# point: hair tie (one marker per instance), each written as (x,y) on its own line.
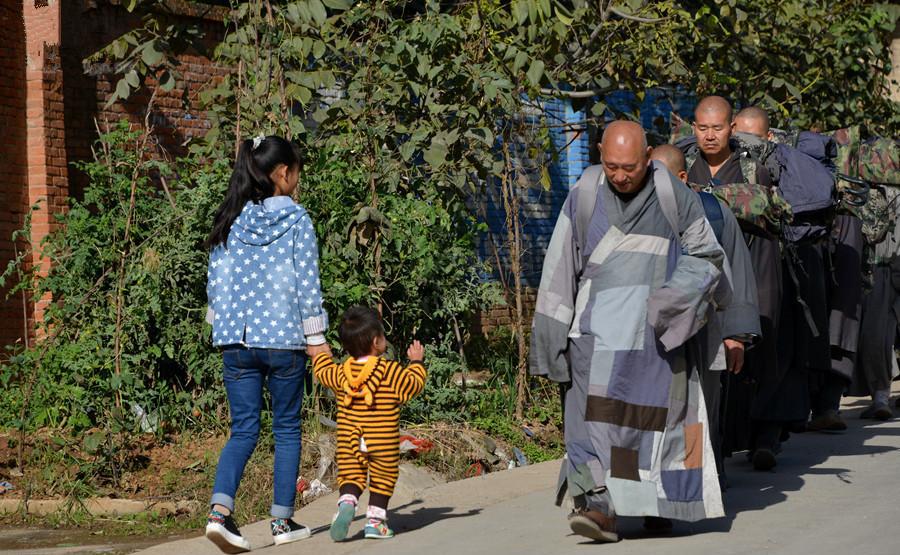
(258,140)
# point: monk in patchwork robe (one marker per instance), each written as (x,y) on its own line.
(628,280)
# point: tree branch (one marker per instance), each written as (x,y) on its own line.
(575,94)
(619,13)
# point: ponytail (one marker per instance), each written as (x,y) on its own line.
(250,181)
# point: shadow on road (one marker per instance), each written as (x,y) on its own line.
(404,518)
(803,455)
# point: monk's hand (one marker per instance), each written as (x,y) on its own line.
(734,355)
(313,350)
(416,351)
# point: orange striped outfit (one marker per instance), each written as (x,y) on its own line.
(369,395)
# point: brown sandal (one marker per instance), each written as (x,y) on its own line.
(586,526)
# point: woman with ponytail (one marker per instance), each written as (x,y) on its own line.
(265,307)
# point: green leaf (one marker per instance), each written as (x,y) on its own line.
(340,5)
(132,79)
(436,154)
(546,182)
(566,20)
(318,49)
(482,134)
(520,60)
(167,81)
(535,72)
(407,150)
(318,11)
(122,89)
(150,55)
(93,441)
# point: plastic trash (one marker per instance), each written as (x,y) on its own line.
(5,487)
(148,422)
(316,489)
(327,422)
(325,443)
(418,445)
(302,484)
(521,460)
(528,431)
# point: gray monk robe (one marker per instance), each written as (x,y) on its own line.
(636,427)
(737,319)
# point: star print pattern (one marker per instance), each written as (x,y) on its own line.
(264,289)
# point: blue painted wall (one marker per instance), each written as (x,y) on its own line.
(570,138)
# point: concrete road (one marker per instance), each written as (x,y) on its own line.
(829,494)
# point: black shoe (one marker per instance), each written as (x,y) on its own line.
(763,459)
(285,530)
(222,531)
(828,421)
(877,412)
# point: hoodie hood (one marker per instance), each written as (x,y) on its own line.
(263,224)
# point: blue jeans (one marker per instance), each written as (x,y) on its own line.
(245,370)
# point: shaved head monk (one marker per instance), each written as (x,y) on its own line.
(621,292)
(625,156)
(757,414)
(753,120)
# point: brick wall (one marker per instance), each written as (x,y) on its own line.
(87,27)
(46,155)
(51,106)
(13,165)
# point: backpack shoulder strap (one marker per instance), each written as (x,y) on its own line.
(748,168)
(586,188)
(713,213)
(690,157)
(665,192)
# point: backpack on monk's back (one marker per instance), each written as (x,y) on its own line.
(866,167)
(802,163)
(758,209)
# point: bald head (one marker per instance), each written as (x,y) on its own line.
(625,156)
(713,128)
(753,120)
(623,132)
(716,105)
(671,157)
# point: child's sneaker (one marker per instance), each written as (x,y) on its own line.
(378,530)
(340,524)
(222,531)
(285,530)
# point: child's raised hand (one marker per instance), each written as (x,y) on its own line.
(416,351)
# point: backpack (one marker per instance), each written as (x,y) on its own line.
(863,164)
(802,165)
(757,208)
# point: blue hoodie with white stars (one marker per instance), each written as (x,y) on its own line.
(264,289)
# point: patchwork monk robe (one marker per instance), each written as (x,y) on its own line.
(615,315)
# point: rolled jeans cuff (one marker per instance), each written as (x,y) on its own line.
(222,499)
(281,511)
